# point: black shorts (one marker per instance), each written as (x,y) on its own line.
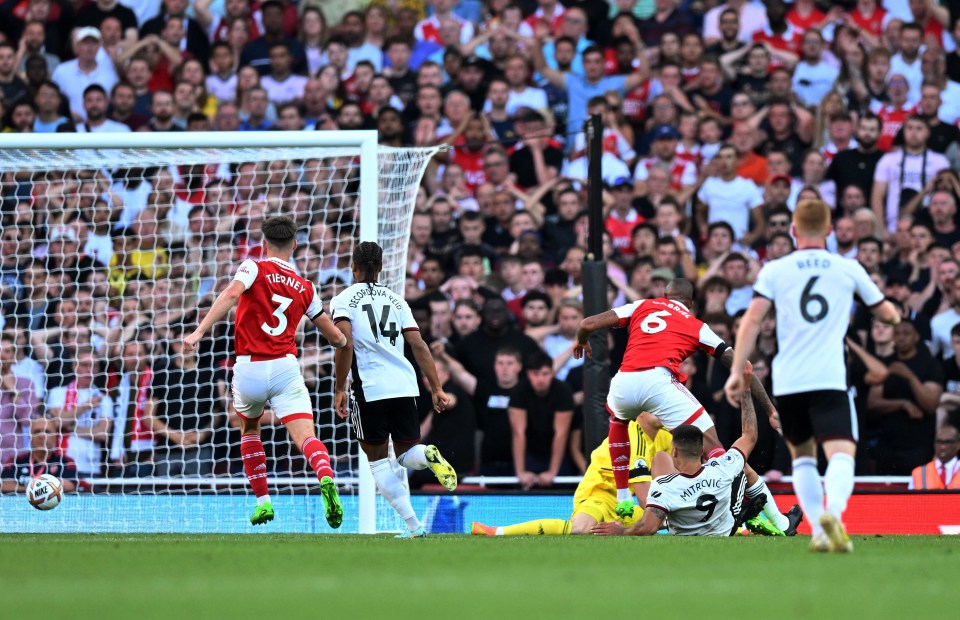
(821,414)
(376,421)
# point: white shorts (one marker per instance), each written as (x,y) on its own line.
(278,381)
(658,391)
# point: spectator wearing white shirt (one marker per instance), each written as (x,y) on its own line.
(517,73)
(753,18)
(941,325)
(734,269)
(907,62)
(222,81)
(902,174)
(74,76)
(95,105)
(281,84)
(84,413)
(812,77)
(731,199)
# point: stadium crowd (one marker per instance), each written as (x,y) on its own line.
(717,119)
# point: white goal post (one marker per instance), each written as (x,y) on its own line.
(344,187)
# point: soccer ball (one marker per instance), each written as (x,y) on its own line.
(45,492)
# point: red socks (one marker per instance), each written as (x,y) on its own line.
(317,455)
(619,438)
(254,463)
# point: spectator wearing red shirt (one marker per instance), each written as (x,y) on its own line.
(893,115)
(780,34)
(547,18)
(752,165)
(468,151)
(623,217)
(683,174)
(869,17)
(804,15)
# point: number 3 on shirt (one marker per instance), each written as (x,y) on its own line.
(284,303)
(653,323)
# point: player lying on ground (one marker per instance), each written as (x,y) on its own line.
(663,333)
(813,293)
(595,500)
(696,496)
(372,319)
(271,300)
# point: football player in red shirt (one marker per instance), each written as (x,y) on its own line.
(271,300)
(663,333)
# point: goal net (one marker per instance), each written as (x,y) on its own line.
(113,248)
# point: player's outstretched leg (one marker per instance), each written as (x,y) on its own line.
(619,438)
(776,523)
(420,456)
(255,467)
(538,527)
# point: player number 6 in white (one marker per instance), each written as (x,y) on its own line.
(653,323)
(284,303)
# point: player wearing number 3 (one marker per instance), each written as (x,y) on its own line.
(813,293)
(376,323)
(663,333)
(271,300)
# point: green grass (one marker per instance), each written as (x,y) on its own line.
(345,577)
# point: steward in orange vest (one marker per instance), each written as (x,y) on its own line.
(943,472)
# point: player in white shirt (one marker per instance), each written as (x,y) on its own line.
(693,497)
(813,292)
(377,322)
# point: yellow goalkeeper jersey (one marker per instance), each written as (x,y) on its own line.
(599,475)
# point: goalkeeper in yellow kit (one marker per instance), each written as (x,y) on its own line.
(595,500)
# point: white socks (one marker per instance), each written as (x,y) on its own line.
(392,488)
(770,508)
(809,490)
(838,483)
(263,499)
(414,458)
(623,495)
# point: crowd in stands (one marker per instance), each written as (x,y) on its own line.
(717,119)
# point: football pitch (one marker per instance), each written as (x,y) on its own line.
(280,576)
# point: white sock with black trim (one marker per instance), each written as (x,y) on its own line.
(770,508)
(414,458)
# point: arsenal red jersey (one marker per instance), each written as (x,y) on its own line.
(682,173)
(663,333)
(873,24)
(800,23)
(270,310)
(472,164)
(891,120)
(621,230)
